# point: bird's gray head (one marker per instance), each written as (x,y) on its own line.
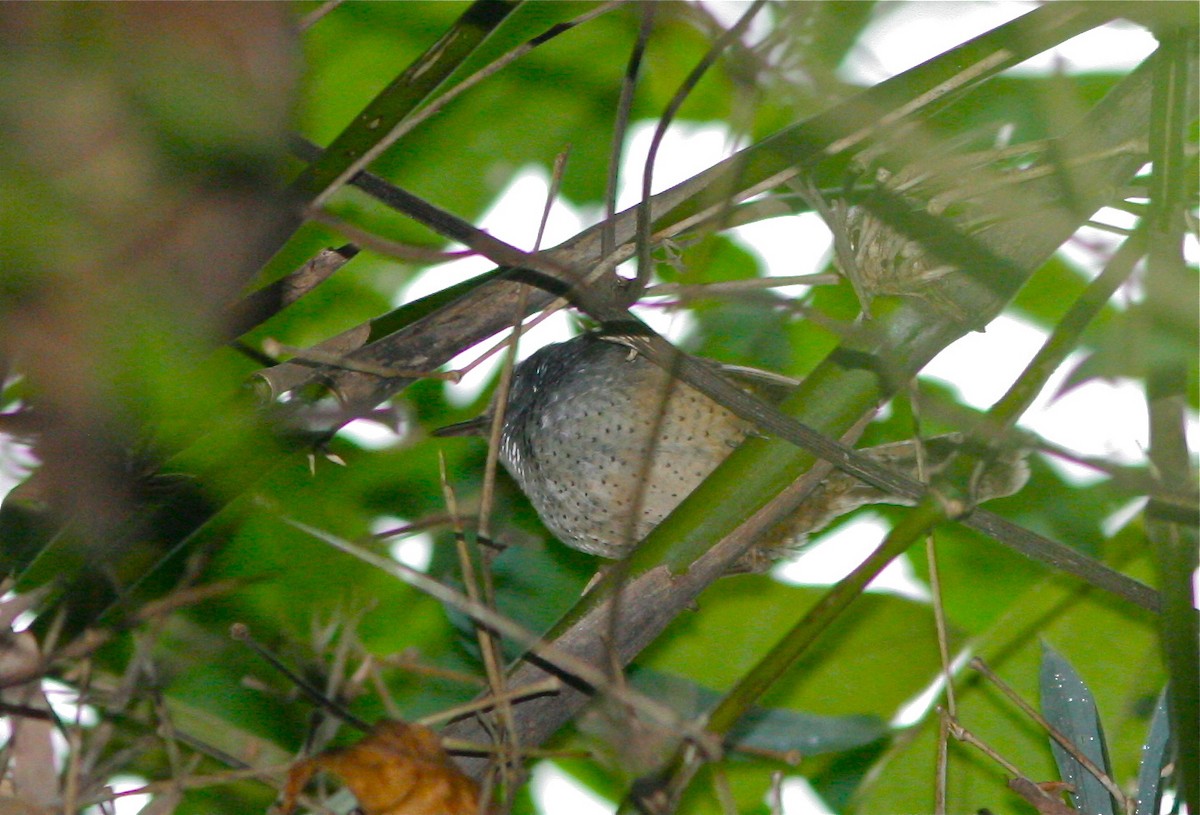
(546,376)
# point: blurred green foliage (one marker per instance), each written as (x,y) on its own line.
(122,141)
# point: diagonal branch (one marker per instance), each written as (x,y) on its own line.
(830,138)
(833,399)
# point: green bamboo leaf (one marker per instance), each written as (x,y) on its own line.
(1096,634)
(1156,753)
(1070,709)
(401,97)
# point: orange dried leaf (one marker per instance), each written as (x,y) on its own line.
(1044,796)
(399,769)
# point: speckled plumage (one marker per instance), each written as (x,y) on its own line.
(605,444)
(581,421)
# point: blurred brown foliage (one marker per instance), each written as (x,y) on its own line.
(143,147)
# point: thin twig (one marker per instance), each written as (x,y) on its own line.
(537,646)
(624,104)
(1068,745)
(967,737)
(643,241)
(493,662)
(406,662)
(551,684)
(241,633)
(696,290)
(196,782)
(544,314)
(939,617)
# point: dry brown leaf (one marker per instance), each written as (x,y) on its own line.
(398,769)
(1044,796)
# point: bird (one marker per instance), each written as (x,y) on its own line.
(605,444)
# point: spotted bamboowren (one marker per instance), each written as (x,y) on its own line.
(606,444)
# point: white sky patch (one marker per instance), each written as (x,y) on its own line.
(672,323)
(799,798)
(915,709)
(554,792)
(513,218)
(903,35)
(1115,46)
(982,365)
(728,12)
(25,618)
(1118,520)
(1091,246)
(788,246)
(369,435)
(442,276)
(1115,217)
(686,149)
(1100,418)
(1120,434)
(17,460)
(837,554)
(65,701)
(128,804)
(414,551)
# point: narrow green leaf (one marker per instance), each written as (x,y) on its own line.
(765,728)
(1155,754)
(1068,706)
(399,98)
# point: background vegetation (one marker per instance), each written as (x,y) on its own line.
(154,181)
